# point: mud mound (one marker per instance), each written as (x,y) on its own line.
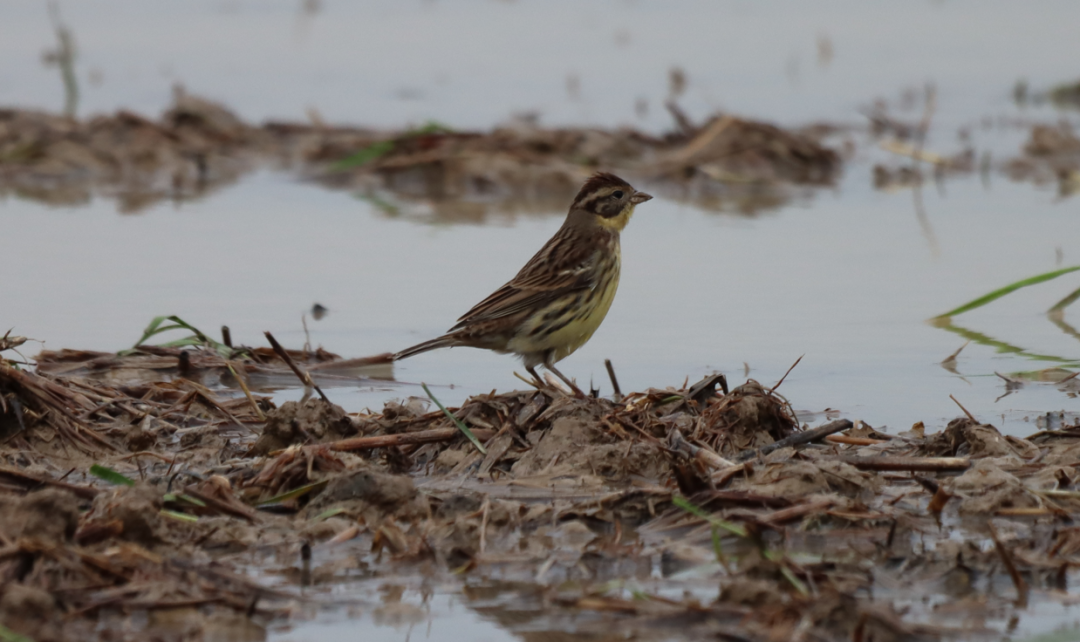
(50,515)
(556,491)
(311,421)
(197,146)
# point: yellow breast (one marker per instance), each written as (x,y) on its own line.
(567,324)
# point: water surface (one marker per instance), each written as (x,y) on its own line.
(844,277)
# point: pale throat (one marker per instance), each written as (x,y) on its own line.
(619,221)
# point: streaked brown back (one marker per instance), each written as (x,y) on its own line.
(563,265)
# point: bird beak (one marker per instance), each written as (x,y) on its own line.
(640,197)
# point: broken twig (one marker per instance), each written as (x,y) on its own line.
(304,377)
(923,464)
(969,415)
(405,438)
(614,381)
(798,438)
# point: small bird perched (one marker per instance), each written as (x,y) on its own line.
(558,300)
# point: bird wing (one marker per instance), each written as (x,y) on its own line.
(560,267)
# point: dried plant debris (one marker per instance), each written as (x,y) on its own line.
(1051,156)
(260,367)
(197,146)
(911,162)
(164,509)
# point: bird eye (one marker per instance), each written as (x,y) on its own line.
(617,193)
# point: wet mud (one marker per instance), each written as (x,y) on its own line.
(160,494)
(431,172)
(197,146)
(159,508)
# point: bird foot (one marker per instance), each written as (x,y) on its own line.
(535,381)
(565,387)
(552,380)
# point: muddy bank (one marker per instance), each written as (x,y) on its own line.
(198,146)
(724,163)
(160,507)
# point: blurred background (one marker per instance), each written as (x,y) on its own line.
(952,123)
(475,64)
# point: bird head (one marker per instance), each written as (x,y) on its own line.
(609,200)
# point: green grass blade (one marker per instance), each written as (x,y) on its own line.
(1000,346)
(432,127)
(696,511)
(198,333)
(788,574)
(160,330)
(1012,287)
(181,343)
(327,514)
(153,326)
(718,547)
(199,338)
(182,517)
(110,475)
(294,493)
(174,498)
(156,327)
(381,204)
(457,422)
(381,148)
(370,153)
(794,581)
(151,330)
(193,500)
(7,635)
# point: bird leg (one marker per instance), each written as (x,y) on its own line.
(532,371)
(551,368)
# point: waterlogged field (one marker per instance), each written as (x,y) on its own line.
(833,200)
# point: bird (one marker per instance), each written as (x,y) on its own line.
(559,299)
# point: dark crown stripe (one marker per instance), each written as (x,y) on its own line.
(595,183)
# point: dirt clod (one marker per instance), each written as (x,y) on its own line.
(138,511)
(51,515)
(372,487)
(581,492)
(309,422)
(749,417)
(29,611)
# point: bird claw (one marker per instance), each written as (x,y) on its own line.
(564,387)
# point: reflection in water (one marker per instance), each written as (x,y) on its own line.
(745,198)
(261,369)
(435,174)
(196,148)
(924,221)
(455,175)
(1057,317)
(430,173)
(64,58)
(1007,348)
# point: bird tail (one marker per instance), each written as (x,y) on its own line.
(445,341)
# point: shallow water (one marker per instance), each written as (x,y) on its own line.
(475,63)
(409,616)
(845,276)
